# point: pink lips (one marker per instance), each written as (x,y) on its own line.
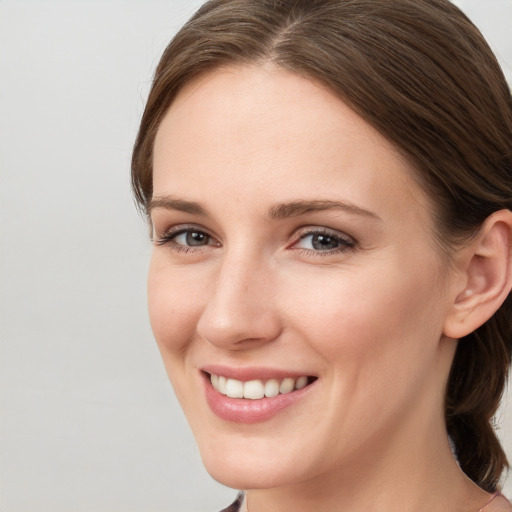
(243,410)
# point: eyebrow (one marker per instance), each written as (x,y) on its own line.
(296,208)
(174,203)
(276,212)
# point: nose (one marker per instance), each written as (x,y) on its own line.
(240,312)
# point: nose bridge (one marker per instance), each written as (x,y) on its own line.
(240,307)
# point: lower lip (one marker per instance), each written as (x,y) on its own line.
(244,410)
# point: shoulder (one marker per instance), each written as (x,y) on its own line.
(236,506)
(498,504)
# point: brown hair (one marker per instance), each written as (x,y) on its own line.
(421,73)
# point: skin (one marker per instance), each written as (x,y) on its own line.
(369,319)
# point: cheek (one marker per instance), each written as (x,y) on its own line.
(370,319)
(174,305)
(378,336)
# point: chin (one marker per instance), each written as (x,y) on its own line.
(255,462)
(237,473)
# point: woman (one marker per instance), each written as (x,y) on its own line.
(329,186)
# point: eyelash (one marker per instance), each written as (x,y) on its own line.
(345,243)
(168,238)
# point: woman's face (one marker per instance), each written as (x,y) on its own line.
(292,246)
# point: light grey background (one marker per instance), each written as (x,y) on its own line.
(88,421)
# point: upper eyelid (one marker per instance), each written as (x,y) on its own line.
(311,230)
(180,228)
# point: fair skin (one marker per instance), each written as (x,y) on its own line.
(291,240)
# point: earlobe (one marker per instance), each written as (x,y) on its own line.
(487,276)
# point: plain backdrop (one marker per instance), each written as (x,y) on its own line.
(88,421)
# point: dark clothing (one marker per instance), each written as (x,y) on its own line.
(235,506)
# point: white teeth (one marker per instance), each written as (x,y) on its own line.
(234,388)
(286,386)
(301,382)
(256,389)
(221,385)
(271,388)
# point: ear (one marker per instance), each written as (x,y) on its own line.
(486,269)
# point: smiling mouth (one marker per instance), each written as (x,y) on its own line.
(258,389)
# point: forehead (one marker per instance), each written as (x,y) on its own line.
(264,101)
(278,135)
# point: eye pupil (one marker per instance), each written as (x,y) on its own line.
(325,242)
(196,238)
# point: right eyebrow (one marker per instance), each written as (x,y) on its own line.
(173,203)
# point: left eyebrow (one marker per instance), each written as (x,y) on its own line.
(296,208)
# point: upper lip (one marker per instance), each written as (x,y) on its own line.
(245,374)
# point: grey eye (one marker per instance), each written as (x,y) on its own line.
(325,242)
(321,242)
(192,238)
